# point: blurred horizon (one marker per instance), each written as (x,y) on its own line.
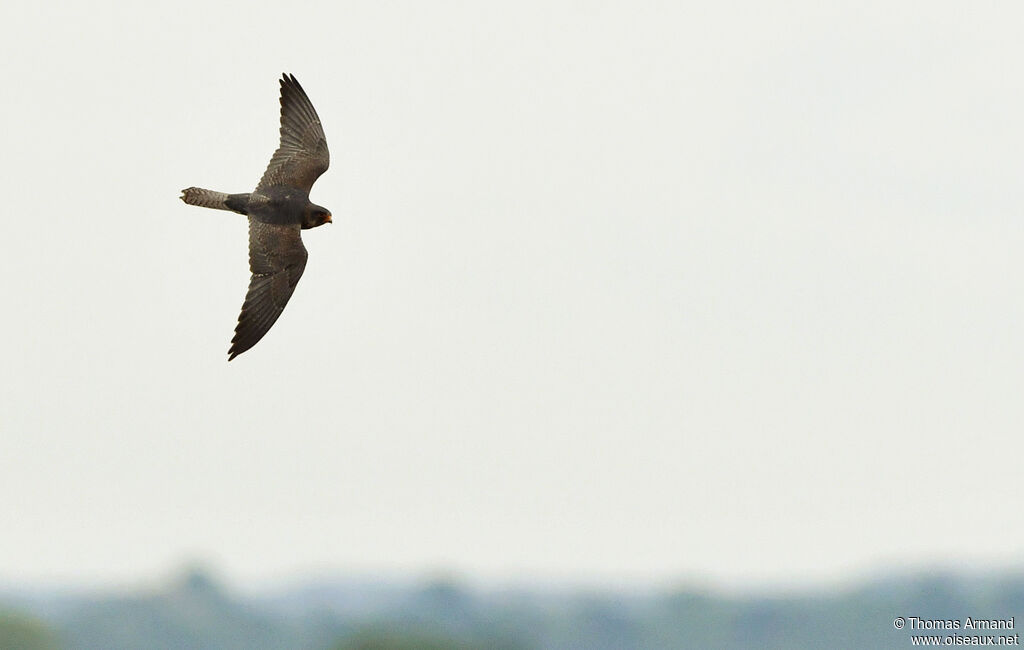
(541,581)
(196,608)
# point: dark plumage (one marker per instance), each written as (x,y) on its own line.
(278,209)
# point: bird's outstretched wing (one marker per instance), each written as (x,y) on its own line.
(277,259)
(302,156)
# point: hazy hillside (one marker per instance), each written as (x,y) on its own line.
(196,612)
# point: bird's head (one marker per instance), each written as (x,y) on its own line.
(315,216)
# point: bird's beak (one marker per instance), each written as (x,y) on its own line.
(328,219)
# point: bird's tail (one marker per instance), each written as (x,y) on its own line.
(216,200)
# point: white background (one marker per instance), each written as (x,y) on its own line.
(615,291)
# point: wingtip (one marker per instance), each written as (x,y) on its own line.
(288,79)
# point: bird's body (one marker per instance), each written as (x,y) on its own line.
(278,210)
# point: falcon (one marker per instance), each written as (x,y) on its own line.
(279,210)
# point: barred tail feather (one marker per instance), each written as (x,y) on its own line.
(205,198)
(216,200)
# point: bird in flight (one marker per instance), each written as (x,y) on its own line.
(278,210)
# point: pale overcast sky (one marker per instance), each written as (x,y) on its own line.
(615,291)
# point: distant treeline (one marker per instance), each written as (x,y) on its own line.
(196,612)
